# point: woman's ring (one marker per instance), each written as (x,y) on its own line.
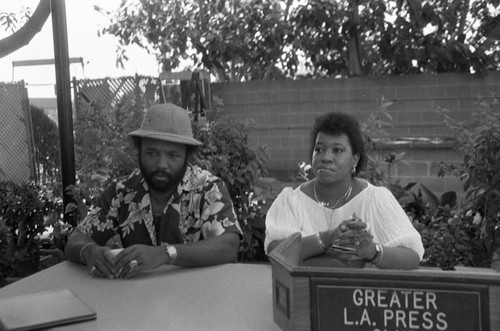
(92,270)
(356,243)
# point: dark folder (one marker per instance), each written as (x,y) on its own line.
(42,310)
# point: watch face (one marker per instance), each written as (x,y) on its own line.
(172,253)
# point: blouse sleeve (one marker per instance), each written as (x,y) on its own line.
(281,221)
(391,225)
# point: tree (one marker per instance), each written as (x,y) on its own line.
(24,35)
(397,37)
(268,39)
(235,40)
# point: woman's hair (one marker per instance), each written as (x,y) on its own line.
(335,124)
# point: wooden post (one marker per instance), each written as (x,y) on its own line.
(64,107)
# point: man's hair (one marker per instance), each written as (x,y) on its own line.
(340,123)
(191,150)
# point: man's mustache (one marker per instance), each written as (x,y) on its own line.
(161,173)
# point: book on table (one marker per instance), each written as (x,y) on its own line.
(43,310)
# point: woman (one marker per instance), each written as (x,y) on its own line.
(337,208)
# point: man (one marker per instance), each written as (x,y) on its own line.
(167,212)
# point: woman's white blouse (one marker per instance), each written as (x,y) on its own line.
(293,211)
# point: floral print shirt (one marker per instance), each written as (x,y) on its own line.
(200,208)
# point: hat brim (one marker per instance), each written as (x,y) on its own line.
(170,137)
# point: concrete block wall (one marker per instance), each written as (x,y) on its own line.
(283,111)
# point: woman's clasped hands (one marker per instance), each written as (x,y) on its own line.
(353,235)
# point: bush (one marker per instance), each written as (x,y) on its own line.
(25,213)
(452,238)
(226,153)
(479,142)
(450,235)
(103,150)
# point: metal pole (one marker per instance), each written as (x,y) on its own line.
(64,108)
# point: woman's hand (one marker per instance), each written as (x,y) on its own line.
(354,233)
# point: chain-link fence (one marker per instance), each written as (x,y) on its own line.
(16,136)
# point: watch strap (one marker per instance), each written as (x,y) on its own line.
(379,254)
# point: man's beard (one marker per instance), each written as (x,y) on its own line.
(163,186)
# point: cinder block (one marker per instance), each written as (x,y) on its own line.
(421,105)
(292,142)
(412,168)
(450,104)
(408,93)
(485,90)
(459,91)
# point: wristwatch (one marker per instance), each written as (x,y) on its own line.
(171,252)
(379,254)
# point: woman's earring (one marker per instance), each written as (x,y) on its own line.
(353,171)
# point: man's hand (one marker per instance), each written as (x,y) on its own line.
(100,261)
(136,258)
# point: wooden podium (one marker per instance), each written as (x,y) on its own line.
(316,296)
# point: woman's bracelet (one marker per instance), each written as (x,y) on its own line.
(83,248)
(320,242)
(379,255)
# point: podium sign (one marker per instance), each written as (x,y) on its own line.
(350,306)
(309,296)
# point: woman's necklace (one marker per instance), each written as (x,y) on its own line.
(346,196)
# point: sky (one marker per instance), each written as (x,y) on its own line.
(98,53)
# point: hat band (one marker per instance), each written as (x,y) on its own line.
(171,137)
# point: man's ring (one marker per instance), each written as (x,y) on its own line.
(92,270)
(133,264)
(356,243)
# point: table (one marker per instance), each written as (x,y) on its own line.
(231,296)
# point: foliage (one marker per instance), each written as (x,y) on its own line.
(379,166)
(226,153)
(103,150)
(452,238)
(11,21)
(270,39)
(46,138)
(205,32)
(479,142)
(31,25)
(25,212)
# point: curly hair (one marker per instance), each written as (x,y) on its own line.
(335,124)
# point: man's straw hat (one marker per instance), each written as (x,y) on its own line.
(167,122)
